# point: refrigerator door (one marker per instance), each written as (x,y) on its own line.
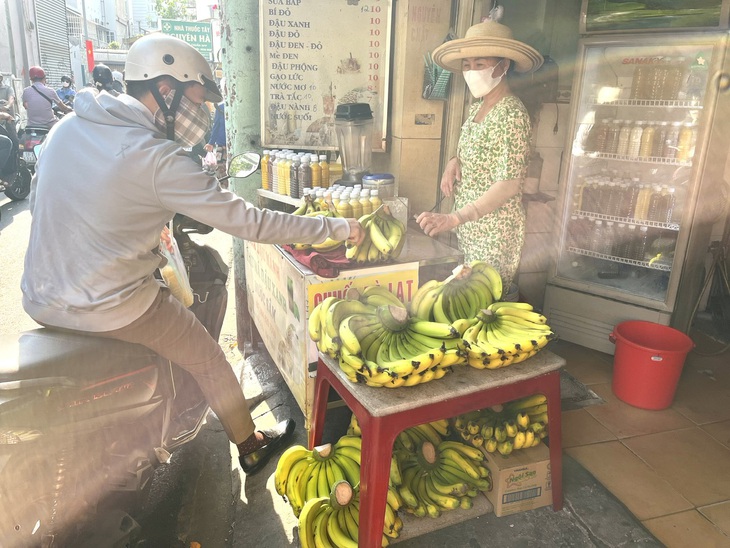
(640,124)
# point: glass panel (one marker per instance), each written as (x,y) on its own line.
(631,160)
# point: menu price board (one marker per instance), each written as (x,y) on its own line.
(316,55)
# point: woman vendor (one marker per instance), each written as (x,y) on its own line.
(486,175)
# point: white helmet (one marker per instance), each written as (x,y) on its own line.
(164,55)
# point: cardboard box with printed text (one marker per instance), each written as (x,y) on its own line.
(521,481)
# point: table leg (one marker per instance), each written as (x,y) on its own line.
(377,448)
(319,409)
(552,392)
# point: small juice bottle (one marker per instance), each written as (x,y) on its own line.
(316,171)
(265,170)
(356,205)
(367,206)
(375,199)
(343,206)
(324,166)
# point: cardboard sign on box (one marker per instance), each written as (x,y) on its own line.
(521,481)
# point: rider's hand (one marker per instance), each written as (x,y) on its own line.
(166,239)
(357,232)
(208,147)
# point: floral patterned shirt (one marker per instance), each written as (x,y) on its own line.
(495,149)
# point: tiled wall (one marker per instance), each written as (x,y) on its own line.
(539,250)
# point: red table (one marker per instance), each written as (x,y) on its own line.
(383,413)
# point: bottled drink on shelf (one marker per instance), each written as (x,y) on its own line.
(316,171)
(367,206)
(355,204)
(676,215)
(630,197)
(609,238)
(640,81)
(654,213)
(613,199)
(658,79)
(325,168)
(671,140)
(686,142)
(265,170)
(375,199)
(624,132)
(294,183)
(275,173)
(635,139)
(632,236)
(596,141)
(597,241)
(619,241)
(674,79)
(639,249)
(660,135)
(612,137)
(305,172)
(668,204)
(647,139)
(343,207)
(642,202)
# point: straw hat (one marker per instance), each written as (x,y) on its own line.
(487,39)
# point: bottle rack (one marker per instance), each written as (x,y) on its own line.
(637,159)
(637,222)
(648,103)
(644,264)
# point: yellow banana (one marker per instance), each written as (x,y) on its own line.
(293,491)
(288,458)
(460,462)
(433,329)
(495,280)
(321,538)
(420,294)
(447,502)
(341,310)
(509,304)
(519,440)
(340,538)
(314,323)
(528,315)
(306,521)
(468,452)
(379,240)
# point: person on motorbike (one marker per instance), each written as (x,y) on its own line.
(39,101)
(118,83)
(7,97)
(103,79)
(66,92)
(96,229)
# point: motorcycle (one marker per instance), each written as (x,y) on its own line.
(15,181)
(29,138)
(85,421)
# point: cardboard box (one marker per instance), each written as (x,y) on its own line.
(522,480)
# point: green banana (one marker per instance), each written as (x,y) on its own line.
(466,451)
(350,468)
(446,502)
(433,329)
(495,279)
(420,294)
(342,309)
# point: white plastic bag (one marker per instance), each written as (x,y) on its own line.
(210,161)
(174,273)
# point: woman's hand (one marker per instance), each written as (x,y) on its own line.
(166,239)
(357,232)
(451,174)
(436,223)
(208,147)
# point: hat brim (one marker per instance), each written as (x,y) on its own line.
(450,54)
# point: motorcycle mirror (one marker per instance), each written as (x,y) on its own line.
(37,149)
(244,164)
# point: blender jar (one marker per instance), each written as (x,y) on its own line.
(354,127)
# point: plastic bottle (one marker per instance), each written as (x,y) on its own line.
(613,199)
(623,138)
(367,205)
(660,135)
(609,236)
(660,72)
(675,77)
(356,205)
(316,171)
(325,168)
(294,183)
(647,139)
(572,240)
(678,206)
(596,140)
(265,170)
(275,173)
(597,240)
(375,199)
(640,81)
(635,139)
(685,142)
(642,202)
(343,207)
(632,236)
(619,241)
(270,171)
(612,137)
(630,198)
(305,173)
(668,204)
(671,141)
(641,242)
(654,212)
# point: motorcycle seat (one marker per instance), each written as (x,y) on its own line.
(46,353)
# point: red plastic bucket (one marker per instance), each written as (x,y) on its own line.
(647,363)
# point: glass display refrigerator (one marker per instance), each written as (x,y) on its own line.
(642,181)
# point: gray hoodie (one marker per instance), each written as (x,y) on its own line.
(106,183)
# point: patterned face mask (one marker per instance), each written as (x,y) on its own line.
(191,121)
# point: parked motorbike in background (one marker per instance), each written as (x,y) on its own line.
(85,421)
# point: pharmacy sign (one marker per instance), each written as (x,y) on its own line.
(197,34)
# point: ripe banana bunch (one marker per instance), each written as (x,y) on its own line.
(443,476)
(310,208)
(334,520)
(384,238)
(505,333)
(469,289)
(411,439)
(519,424)
(323,323)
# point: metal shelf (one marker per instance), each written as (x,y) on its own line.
(648,103)
(638,222)
(643,264)
(636,159)
(283,198)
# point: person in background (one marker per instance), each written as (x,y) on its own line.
(7,97)
(485,177)
(90,263)
(118,81)
(39,101)
(217,140)
(66,92)
(103,79)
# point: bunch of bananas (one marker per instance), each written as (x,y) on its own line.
(384,238)
(443,476)
(505,333)
(379,344)
(410,439)
(310,208)
(334,520)
(469,289)
(519,424)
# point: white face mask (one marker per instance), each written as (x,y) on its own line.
(481,82)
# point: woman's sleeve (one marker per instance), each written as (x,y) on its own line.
(512,146)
